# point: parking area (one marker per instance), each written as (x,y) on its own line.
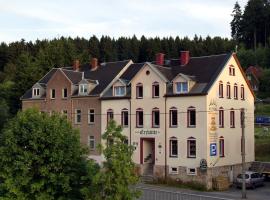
(260,193)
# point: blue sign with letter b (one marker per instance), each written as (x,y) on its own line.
(213,149)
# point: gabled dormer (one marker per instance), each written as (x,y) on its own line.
(86,86)
(38,91)
(120,88)
(182,83)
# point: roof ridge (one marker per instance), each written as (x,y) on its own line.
(116,61)
(222,54)
(70,70)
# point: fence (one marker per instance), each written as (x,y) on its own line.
(156,194)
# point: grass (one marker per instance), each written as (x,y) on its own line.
(262,109)
(262,144)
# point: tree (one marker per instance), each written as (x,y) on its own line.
(236,22)
(41,159)
(118,174)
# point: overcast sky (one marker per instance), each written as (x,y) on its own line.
(40,19)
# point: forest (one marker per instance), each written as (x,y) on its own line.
(22,63)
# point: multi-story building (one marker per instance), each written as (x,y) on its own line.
(183,116)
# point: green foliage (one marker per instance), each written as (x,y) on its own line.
(41,159)
(116,178)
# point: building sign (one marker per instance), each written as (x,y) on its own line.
(213,149)
(147,132)
(203,165)
(212,124)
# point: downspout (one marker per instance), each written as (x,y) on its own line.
(130,121)
(165,138)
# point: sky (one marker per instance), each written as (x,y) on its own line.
(48,19)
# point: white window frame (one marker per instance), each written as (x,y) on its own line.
(36,92)
(83,89)
(189,172)
(123,118)
(89,117)
(76,116)
(171,117)
(63,93)
(91,138)
(173,171)
(182,91)
(171,153)
(188,148)
(51,93)
(154,85)
(117,89)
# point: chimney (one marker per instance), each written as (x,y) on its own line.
(76,65)
(94,64)
(160,58)
(184,57)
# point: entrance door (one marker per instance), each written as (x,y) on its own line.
(147,153)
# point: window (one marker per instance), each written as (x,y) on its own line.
(119,90)
(92,142)
(173,170)
(91,116)
(235,91)
(191,171)
(221,147)
(52,93)
(181,87)
(109,115)
(220,89)
(191,147)
(36,92)
(173,117)
(221,117)
(232,119)
(78,117)
(139,91)
(173,147)
(64,112)
(124,118)
(155,118)
(228,90)
(191,117)
(231,70)
(139,118)
(155,90)
(242,92)
(64,93)
(83,89)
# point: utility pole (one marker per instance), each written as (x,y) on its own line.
(244,195)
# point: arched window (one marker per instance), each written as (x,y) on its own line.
(232,118)
(235,91)
(155,118)
(242,92)
(124,117)
(220,89)
(139,91)
(191,147)
(173,147)
(221,117)
(155,90)
(191,117)
(109,115)
(221,147)
(173,117)
(139,118)
(228,90)
(231,70)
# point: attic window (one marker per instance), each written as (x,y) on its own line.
(36,92)
(83,88)
(181,87)
(232,70)
(119,91)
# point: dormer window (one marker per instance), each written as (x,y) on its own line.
(83,89)
(181,87)
(119,91)
(36,92)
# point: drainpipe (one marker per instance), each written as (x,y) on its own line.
(130,121)
(166,138)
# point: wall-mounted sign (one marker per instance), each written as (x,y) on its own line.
(147,132)
(213,149)
(212,121)
(203,165)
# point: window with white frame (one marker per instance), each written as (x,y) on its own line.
(139,91)
(242,92)
(78,116)
(92,142)
(173,170)
(83,89)
(36,92)
(235,91)
(191,147)
(232,118)
(109,115)
(228,90)
(119,91)
(173,117)
(181,87)
(124,118)
(91,116)
(173,147)
(155,118)
(191,171)
(155,90)
(52,93)
(64,93)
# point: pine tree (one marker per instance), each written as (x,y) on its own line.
(236,22)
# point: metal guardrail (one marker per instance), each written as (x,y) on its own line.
(157,194)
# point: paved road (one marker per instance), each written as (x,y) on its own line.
(261,193)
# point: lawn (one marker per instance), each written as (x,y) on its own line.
(262,144)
